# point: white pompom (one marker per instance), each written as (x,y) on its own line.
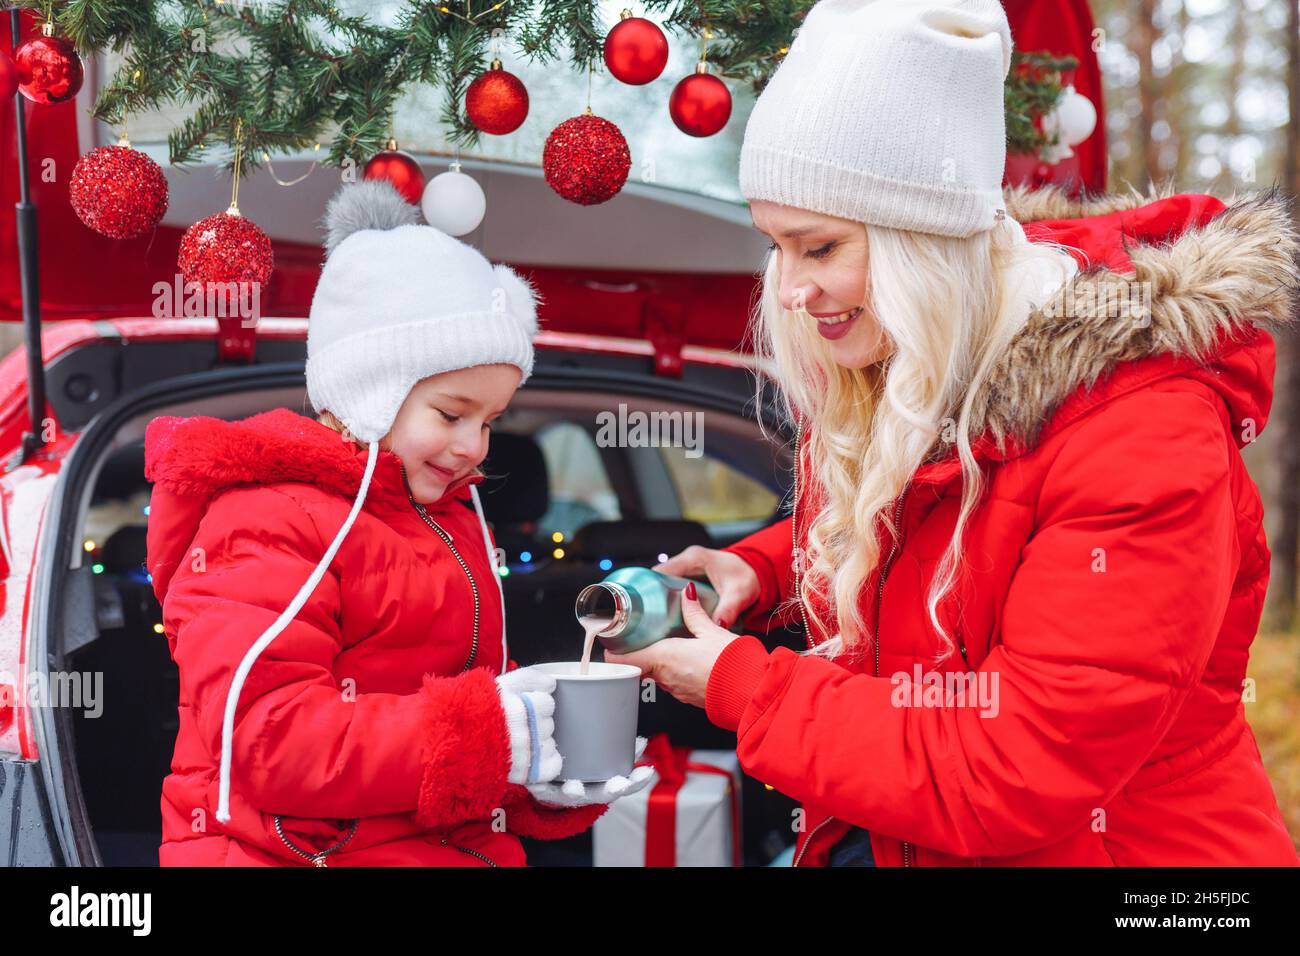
(453,202)
(521,296)
(369,204)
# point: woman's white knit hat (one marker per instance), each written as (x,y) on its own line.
(887,112)
(398,302)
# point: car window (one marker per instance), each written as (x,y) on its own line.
(580,488)
(716,494)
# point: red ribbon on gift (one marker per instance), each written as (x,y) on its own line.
(673,764)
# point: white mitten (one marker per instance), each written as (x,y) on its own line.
(574,793)
(526,698)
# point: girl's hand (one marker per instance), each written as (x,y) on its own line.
(731,576)
(527,697)
(681,665)
(574,793)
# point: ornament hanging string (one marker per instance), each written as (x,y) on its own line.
(239,155)
(266,158)
(124,139)
(473,19)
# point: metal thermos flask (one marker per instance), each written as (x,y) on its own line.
(642,607)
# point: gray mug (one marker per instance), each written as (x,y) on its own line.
(595,718)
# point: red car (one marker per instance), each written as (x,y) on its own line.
(83,752)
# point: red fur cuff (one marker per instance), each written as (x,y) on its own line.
(466,749)
(525,816)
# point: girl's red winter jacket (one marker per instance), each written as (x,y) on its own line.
(376,703)
(1116,569)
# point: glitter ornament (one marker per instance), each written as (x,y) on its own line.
(636,50)
(586,159)
(8,76)
(700,104)
(49,70)
(117,191)
(497,101)
(399,168)
(225,248)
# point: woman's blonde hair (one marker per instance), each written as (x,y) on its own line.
(947,307)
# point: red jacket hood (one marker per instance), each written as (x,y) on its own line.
(191,459)
(1172,285)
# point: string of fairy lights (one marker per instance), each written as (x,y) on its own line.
(527,560)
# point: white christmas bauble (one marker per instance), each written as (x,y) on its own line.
(1073,121)
(453,202)
(1078,116)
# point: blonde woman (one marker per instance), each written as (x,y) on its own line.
(1026,552)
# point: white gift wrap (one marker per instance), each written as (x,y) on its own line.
(704,828)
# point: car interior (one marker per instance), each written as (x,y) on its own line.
(564,510)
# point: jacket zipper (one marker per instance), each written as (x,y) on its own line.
(465,849)
(880,597)
(794,534)
(318,858)
(804,848)
(473,586)
(447,540)
(880,602)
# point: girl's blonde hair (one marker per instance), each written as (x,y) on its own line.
(947,307)
(328,419)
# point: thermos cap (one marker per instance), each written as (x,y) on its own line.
(594,601)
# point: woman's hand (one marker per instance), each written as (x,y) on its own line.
(681,665)
(731,576)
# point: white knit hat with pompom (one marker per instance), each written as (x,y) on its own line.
(398,302)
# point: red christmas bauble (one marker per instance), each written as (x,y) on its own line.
(636,50)
(586,159)
(401,169)
(497,101)
(8,76)
(223,249)
(700,104)
(49,70)
(118,191)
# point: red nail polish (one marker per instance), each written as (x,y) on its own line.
(690,590)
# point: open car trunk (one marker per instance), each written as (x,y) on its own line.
(612,505)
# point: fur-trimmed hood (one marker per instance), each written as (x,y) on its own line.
(1186,279)
(191,459)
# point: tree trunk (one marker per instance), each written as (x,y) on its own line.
(1285,544)
(1144,24)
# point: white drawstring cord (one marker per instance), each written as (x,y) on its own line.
(270,634)
(492,562)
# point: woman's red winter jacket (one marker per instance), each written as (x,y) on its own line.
(376,703)
(1116,569)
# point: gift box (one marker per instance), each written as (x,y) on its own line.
(688,816)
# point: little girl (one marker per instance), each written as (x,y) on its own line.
(329,588)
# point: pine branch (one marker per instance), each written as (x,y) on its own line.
(297,72)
